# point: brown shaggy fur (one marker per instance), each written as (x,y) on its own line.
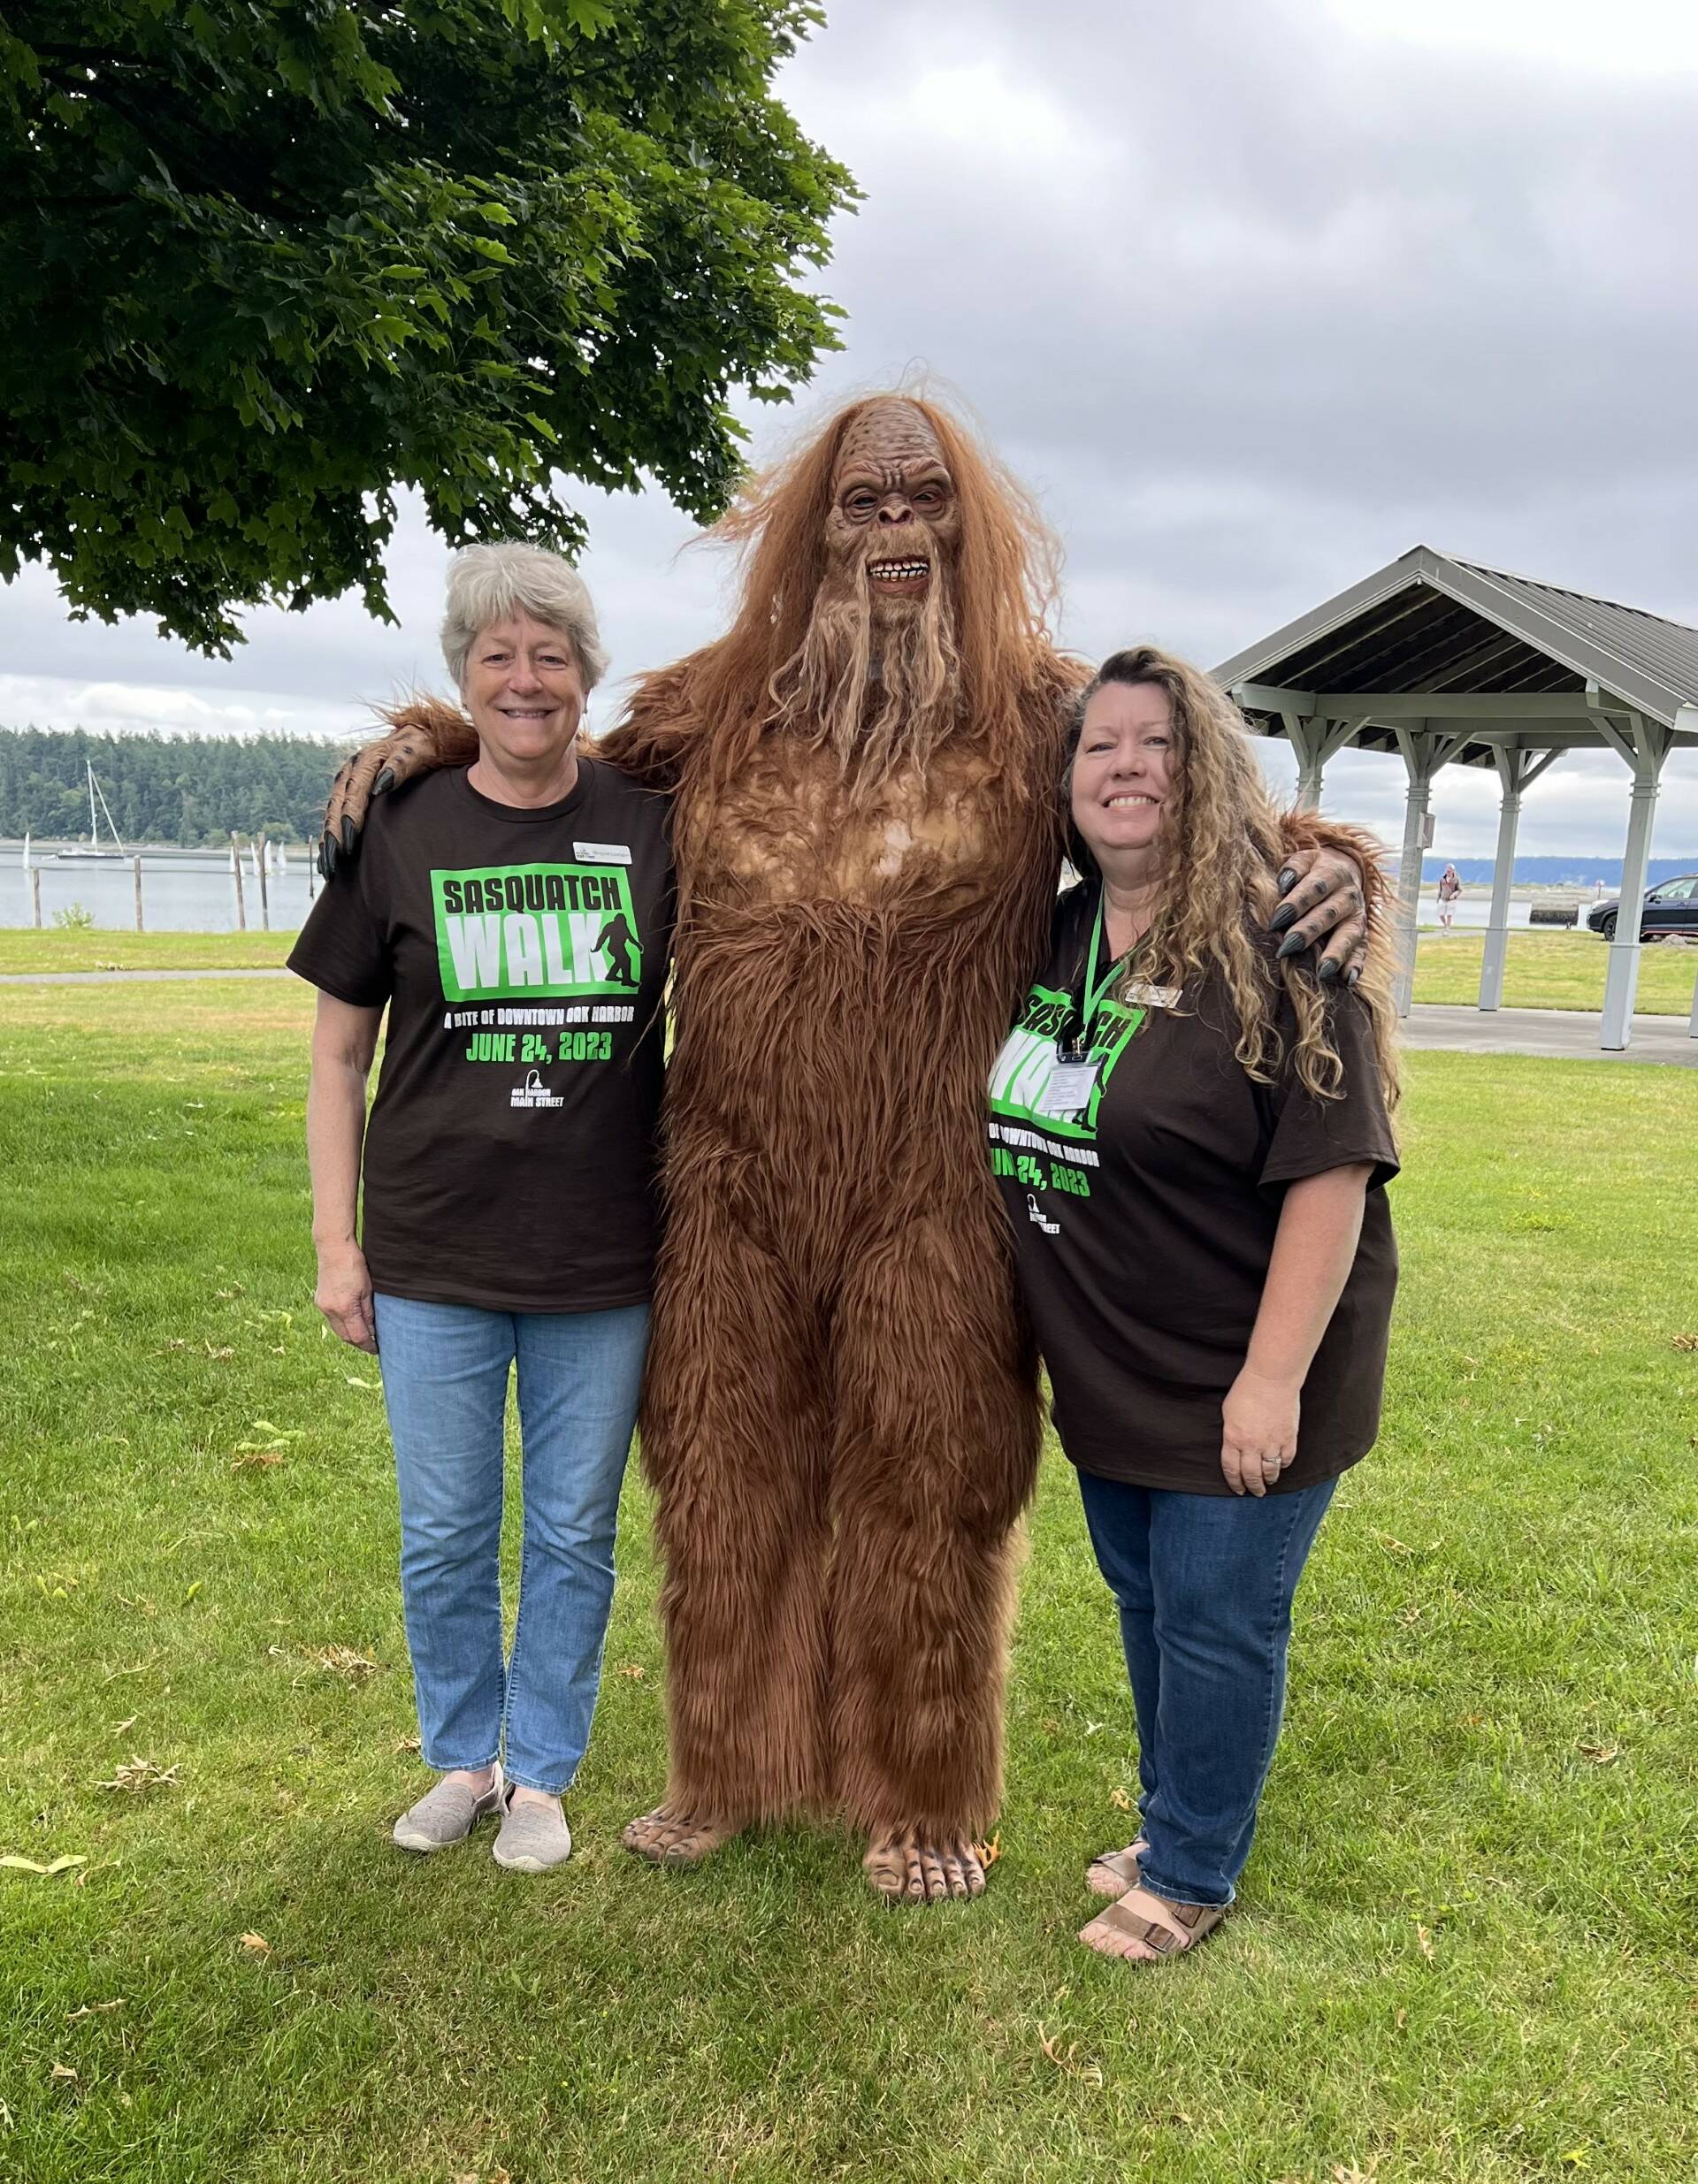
(841,1419)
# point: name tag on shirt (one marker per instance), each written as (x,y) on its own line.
(602,853)
(1139,996)
(1069,1088)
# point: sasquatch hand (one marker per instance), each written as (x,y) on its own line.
(1323,908)
(411,747)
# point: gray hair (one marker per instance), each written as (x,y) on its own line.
(488,583)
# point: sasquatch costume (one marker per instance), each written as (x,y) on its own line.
(841,1423)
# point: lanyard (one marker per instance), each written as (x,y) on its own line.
(1095,987)
(1090,994)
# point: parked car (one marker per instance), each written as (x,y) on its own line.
(1670,908)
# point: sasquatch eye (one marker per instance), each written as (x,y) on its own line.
(861,504)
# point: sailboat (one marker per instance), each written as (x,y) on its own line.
(109,856)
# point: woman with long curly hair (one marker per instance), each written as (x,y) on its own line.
(1192,1136)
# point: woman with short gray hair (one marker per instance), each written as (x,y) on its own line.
(513,911)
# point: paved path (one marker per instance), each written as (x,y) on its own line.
(120,978)
(1569,1034)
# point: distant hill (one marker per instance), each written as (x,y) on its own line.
(178,790)
(1572,870)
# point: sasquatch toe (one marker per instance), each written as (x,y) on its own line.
(905,1870)
(667,1836)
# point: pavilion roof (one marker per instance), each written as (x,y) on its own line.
(1431,626)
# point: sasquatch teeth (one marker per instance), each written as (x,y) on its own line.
(898,572)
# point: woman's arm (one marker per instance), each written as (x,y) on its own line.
(344,1038)
(1314,1250)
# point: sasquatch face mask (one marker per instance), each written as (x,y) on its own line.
(876,675)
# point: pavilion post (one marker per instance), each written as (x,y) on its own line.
(1517,770)
(1307,738)
(1645,753)
(1423,755)
(1315,742)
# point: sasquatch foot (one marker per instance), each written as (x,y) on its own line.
(913,1868)
(669,1836)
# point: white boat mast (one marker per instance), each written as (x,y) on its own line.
(93,831)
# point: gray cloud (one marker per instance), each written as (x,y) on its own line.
(1255,299)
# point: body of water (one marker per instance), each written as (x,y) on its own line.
(191,891)
(182,890)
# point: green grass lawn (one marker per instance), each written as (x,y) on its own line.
(22,950)
(1545,970)
(1464,1954)
(1552,970)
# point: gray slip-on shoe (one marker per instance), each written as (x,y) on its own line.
(446,1814)
(534,1836)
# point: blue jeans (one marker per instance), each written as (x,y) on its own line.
(445,1368)
(1204,1583)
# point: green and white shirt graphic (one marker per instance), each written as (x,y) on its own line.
(1035,1141)
(527,930)
(1021,1080)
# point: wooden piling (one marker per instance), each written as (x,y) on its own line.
(36,894)
(137,862)
(260,860)
(235,874)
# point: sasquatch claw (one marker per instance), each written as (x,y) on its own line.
(422,737)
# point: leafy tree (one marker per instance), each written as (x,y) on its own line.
(186,789)
(262,262)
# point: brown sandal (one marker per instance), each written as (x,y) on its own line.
(1121,1867)
(1180,1928)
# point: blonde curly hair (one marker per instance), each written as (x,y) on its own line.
(1220,847)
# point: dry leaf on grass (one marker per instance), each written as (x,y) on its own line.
(988,1853)
(1424,1935)
(1600,1755)
(94,2009)
(1119,1799)
(221,1353)
(344,1662)
(407,1744)
(62,2070)
(137,1775)
(256,1945)
(257,1459)
(1684,1342)
(634,1670)
(1067,2060)
(17,1863)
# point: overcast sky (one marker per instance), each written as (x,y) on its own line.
(1257,292)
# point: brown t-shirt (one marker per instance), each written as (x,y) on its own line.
(1144,1220)
(509,1157)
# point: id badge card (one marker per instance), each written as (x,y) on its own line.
(1072,1081)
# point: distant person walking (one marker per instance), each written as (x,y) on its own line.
(1450,889)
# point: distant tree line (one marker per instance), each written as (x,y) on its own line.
(183,789)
